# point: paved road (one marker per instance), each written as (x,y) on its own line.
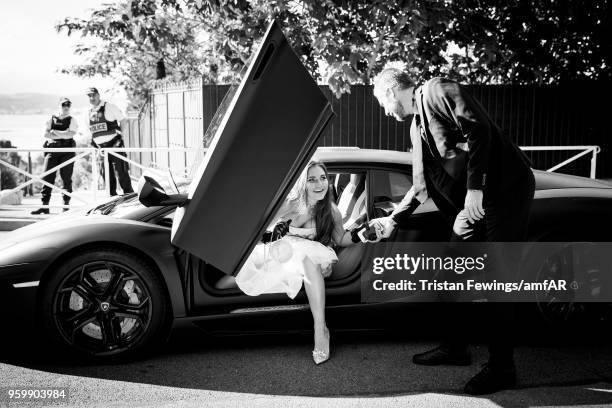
(365,370)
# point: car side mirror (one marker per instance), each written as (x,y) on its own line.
(151,194)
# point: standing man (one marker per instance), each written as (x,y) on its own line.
(59,131)
(478,178)
(106,122)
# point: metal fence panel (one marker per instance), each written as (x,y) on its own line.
(176,129)
(193,123)
(530,115)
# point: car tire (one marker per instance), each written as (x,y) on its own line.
(562,310)
(105,304)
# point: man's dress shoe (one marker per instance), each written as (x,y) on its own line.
(491,379)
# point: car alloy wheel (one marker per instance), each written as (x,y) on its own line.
(105,303)
(102,307)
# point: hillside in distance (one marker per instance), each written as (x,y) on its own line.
(36,103)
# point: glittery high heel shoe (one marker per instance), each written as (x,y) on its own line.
(320,356)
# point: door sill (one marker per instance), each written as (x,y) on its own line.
(269,309)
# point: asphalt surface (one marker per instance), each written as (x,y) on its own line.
(366,370)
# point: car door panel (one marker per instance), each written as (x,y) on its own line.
(255,156)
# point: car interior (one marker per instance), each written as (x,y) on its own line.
(349,189)
(361,194)
(349,193)
(352,189)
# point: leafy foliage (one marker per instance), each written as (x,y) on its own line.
(532,41)
(130,39)
(346,42)
(8,177)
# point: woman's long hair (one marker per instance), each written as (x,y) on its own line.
(322,212)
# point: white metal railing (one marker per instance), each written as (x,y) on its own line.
(80,152)
(154,166)
(95,155)
(583,150)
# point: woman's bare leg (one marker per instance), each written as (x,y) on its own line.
(315,290)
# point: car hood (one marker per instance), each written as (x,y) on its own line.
(53,225)
(263,141)
(549,180)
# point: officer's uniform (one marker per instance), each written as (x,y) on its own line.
(53,159)
(105,131)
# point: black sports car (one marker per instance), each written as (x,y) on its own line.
(108,281)
(115,279)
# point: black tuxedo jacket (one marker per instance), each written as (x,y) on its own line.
(462,149)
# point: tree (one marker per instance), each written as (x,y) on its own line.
(131,41)
(345,42)
(8,177)
(340,42)
(531,41)
(478,41)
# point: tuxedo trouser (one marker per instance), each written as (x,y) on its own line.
(505,220)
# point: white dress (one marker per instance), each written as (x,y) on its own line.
(278,267)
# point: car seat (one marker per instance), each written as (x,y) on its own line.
(352,201)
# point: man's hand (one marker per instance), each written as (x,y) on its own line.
(473,205)
(383,226)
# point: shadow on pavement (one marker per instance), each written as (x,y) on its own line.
(363,364)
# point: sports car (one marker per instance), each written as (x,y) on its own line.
(108,281)
(114,280)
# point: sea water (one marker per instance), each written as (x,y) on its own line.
(24,131)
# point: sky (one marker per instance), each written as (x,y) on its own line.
(32,52)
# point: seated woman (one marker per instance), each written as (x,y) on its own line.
(304,254)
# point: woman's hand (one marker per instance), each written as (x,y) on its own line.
(326,270)
(280,229)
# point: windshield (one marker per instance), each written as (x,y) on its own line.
(199,154)
(215,122)
(119,207)
(175,181)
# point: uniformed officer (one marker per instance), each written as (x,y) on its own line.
(59,131)
(105,124)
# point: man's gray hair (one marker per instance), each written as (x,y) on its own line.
(392,77)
